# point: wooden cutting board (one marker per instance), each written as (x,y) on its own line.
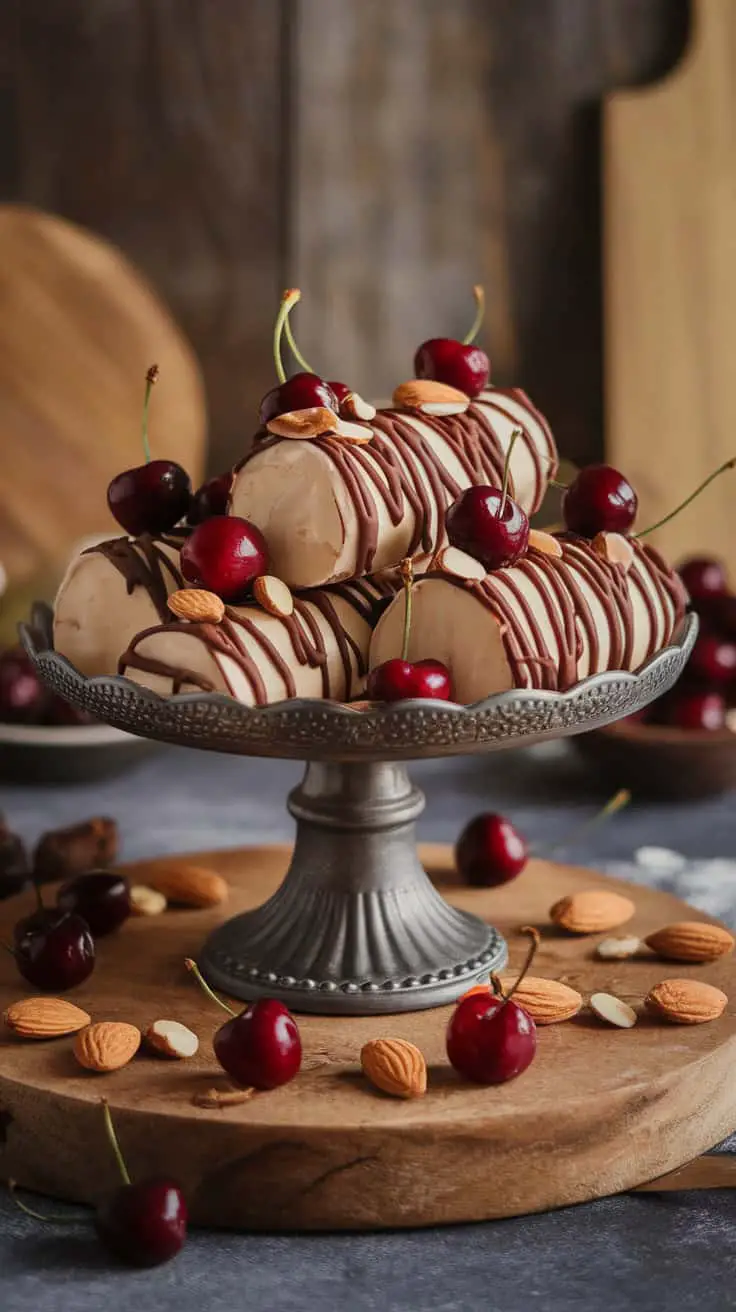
(599,1110)
(79,327)
(670,286)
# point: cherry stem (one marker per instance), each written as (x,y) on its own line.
(8,948)
(194,968)
(288,334)
(613,805)
(53,1218)
(113,1138)
(727,464)
(151,378)
(406,571)
(480,310)
(288,301)
(507,471)
(561,487)
(535,939)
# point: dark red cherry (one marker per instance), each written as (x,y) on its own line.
(463,366)
(719,613)
(62,713)
(490,851)
(300,392)
(489,1040)
(224,554)
(99,897)
(144,1224)
(713,659)
(395,680)
(340,391)
(698,710)
(261,1046)
(475,524)
(703,577)
(151,498)
(599,500)
(54,949)
(211,498)
(23,698)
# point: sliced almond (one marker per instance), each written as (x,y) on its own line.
(592,911)
(431,398)
(355,433)
(395,1066)
(691,940)
(222,1097)
(146,901)
(189,886)
(168,1038)
(686,1001)
(451,560)
(273,595)
(106,1046)
(315,421)
(544,542)
(614,548)
(606,1007)
(197,605)
(356,408)
(45,1018)
(618,949)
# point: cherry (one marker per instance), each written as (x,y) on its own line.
(224,554)
(299,392)
(459,364)
(53,949)
(23,698)
(490,851)
(143,1224)
(397,679)
(259,1047)
(211,498)
(713,659)
(61,712)
(489,526)
(599,500)
(153,497)
(100,897)
(698,710)
(491,1039)
(703,577)
(340,391)
(720,612)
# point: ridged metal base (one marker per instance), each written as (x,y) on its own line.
(356,927)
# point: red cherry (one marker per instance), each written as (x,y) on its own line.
(151,498)
(23,698)
(698,710)
(396,680)
(448,361)
(703,577)
(300,392)
(719,613)
(340,391)
(489,1040)
(475,524)
(100,897)
(261,1047)
(54,949)
(144,1224)
(60,712)
(490,851)
(599,500)
(713,659)
(224,554)
(211,498)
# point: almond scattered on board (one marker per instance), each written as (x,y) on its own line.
(222,1097)
(430,397)
(685,1001)
(545,542)
(45,1018)
(593,911)
(395,1066)
(314,421)
(169,1038)
(189,886)
(618,949)
(547,1000)
(107,1045)
(691,940)
(197,605)
(273,595)
(451,560)
(146,901)
(609,1008)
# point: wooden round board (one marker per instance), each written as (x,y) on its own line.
(600,1109)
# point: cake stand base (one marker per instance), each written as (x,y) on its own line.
(356,927)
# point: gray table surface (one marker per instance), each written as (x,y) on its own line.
(645,1252)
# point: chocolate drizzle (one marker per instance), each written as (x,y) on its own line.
(144,564)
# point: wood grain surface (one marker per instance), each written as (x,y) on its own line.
(79,329)
(670,187)
(600,1110)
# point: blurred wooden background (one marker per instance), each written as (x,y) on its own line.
(381,154)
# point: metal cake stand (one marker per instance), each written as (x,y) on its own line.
(356,927)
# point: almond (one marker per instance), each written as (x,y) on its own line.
(189,886)
(145,901)
(592,911)
(691,940)
(356,408)
(395,1066)
(222,1097)
(685,1001)
(170,1039)
(606,1007)
(315,421)
(451,560)
(350,432)
(542,541)
(614,548)
(273,595)
(430,397)
(107,1045)
(546,1000)
(197,605)
(45,1018)
(618,949)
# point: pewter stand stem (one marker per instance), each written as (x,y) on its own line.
(356,927)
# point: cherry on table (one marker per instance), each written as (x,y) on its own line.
(150,498)
(713,659)
(211,498)
(397,679)
(490,851)
(599,500)
(224,554)
(300,392)
(259,1047)
(489,525)
(23,698)
(703,577)
(53,949)
(698,710)
(490,1040)
(446,360)
(100,897)
(145,1223)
